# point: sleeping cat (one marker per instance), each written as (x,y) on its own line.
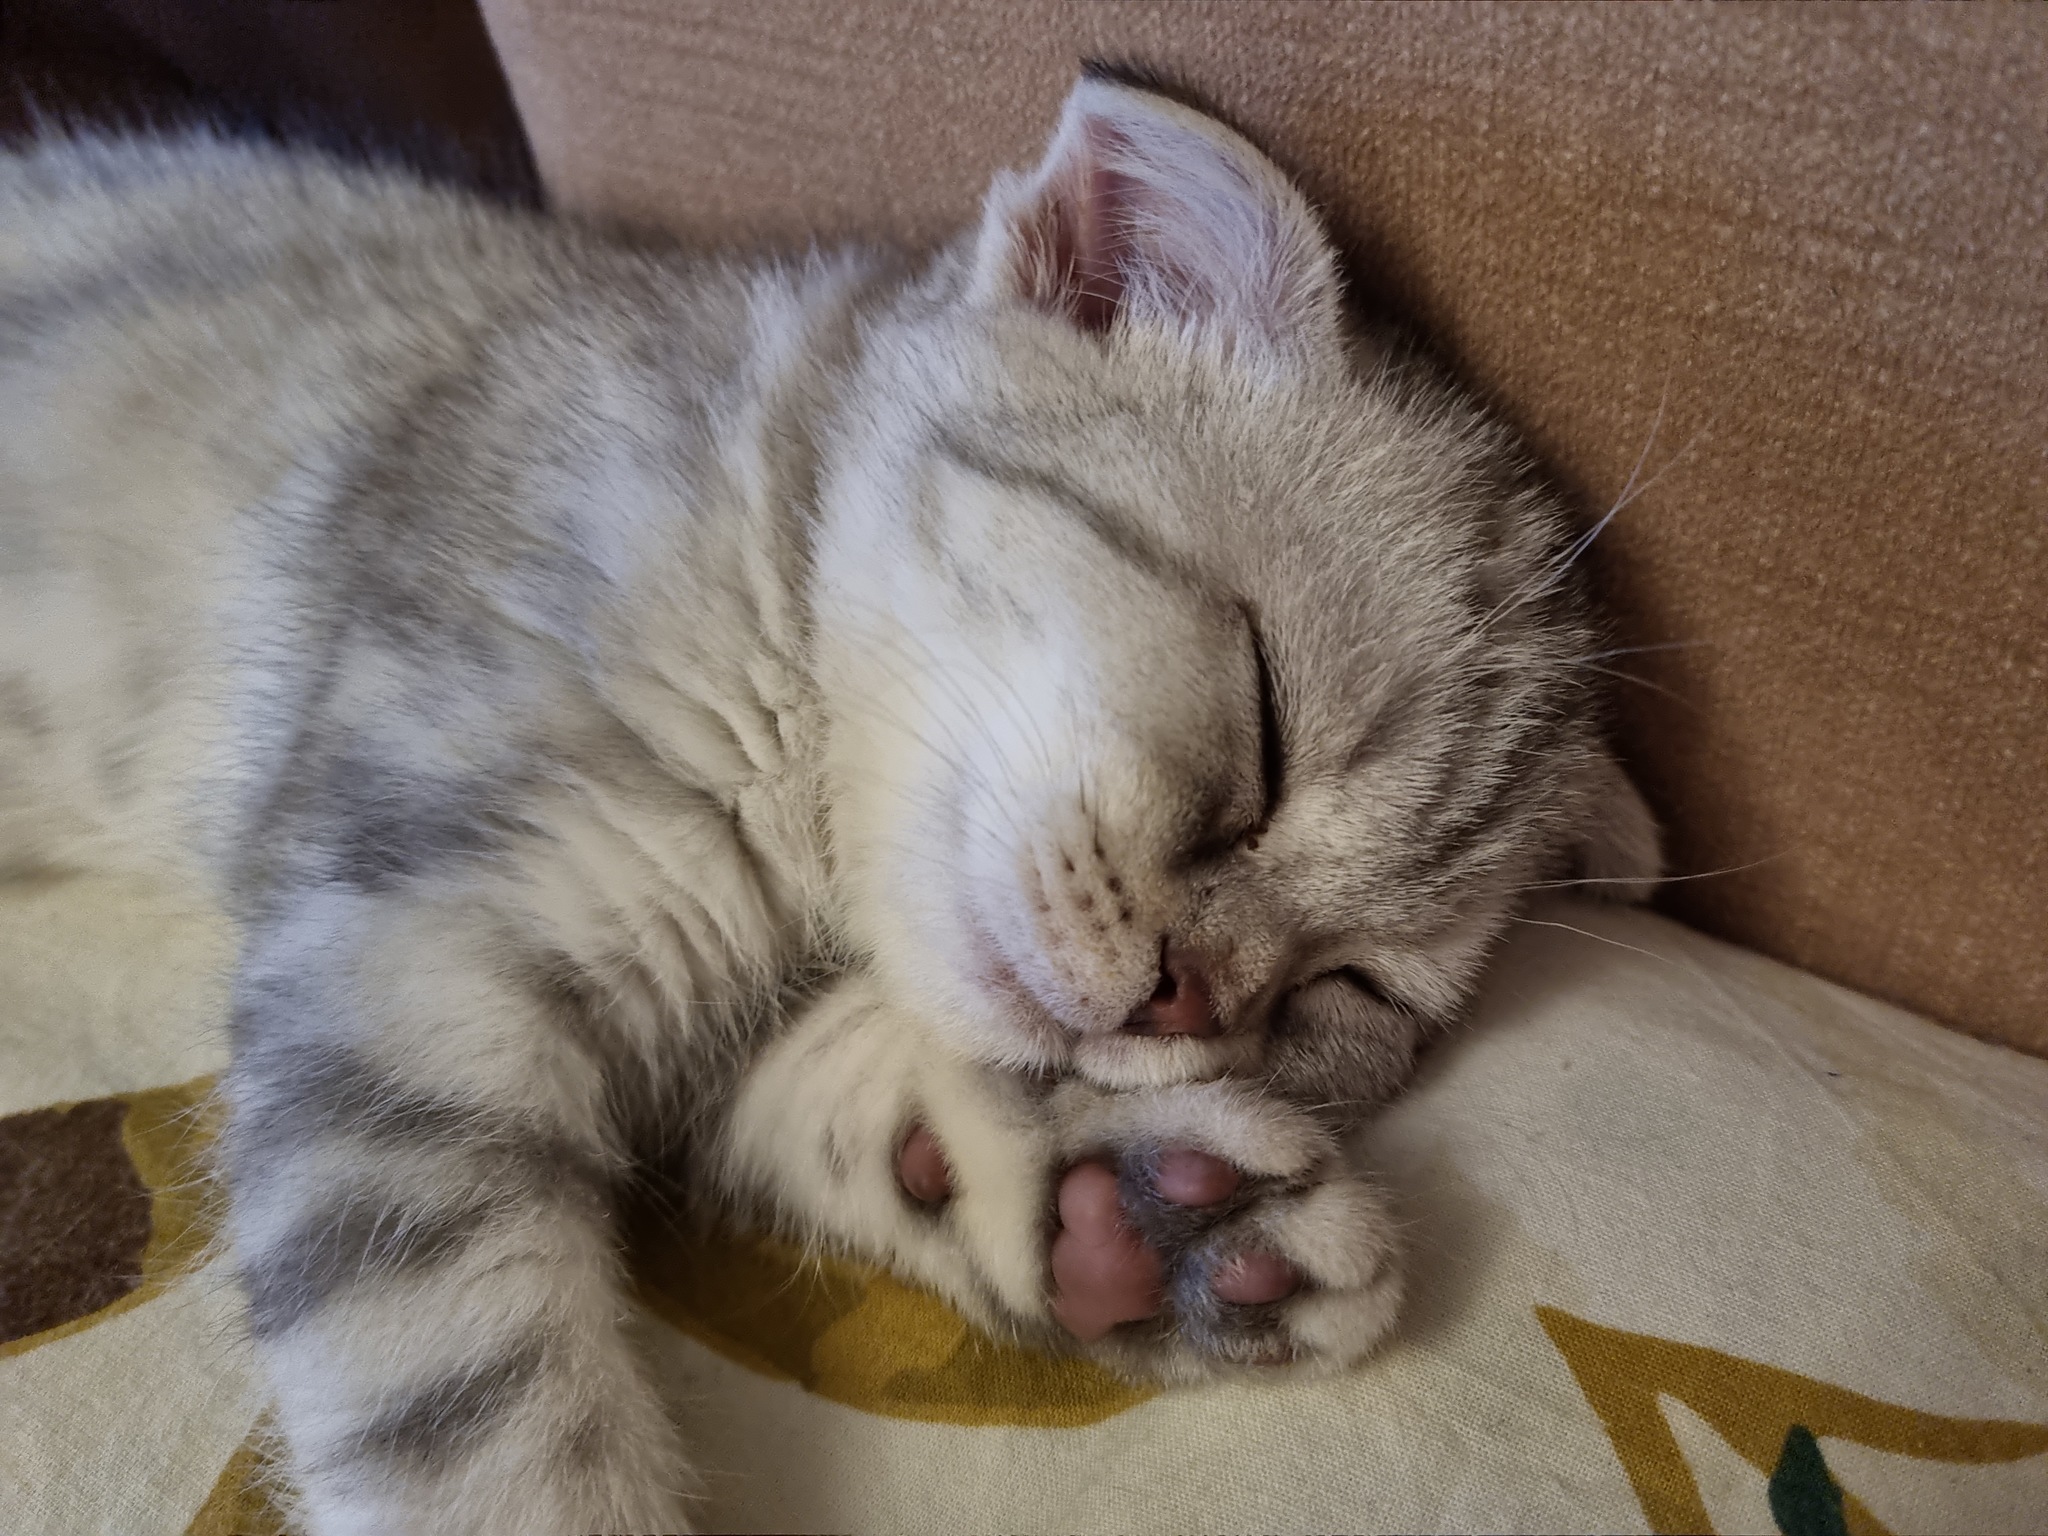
(990,764)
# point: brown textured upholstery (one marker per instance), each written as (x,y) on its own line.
(1814,239)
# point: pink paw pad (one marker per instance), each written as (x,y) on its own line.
(1251,1278)
(1187,1177)
(921,1168)
(1105,1274)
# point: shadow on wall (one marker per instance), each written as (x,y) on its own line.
(417,81)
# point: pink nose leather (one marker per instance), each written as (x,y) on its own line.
(1180,1004)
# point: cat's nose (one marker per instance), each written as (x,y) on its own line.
(1181,1004)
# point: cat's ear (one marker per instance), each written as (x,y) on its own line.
(1147,212)
(1618,852)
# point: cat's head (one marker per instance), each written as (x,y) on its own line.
(1206,688)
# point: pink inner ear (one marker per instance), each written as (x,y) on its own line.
(1136,220)
(1073,252)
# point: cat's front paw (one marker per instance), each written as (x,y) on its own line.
(1271,1250)
(1206,1227)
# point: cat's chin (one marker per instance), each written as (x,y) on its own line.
(1009,1023)
(1122,1060)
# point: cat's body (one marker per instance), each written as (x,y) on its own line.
(1055,696)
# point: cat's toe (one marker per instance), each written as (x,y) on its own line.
(1306,1276)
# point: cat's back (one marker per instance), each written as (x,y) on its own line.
(245,391)
(234,315)
(192,330)
(222,280)
(163,207)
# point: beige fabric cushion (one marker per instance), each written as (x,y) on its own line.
(1666,1201)
(1807,241)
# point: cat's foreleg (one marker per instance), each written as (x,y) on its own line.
(812,1140)
(420,1163)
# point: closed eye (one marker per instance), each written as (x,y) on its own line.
(1272,750)
(1366,984)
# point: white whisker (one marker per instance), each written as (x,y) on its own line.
(1644,650)
(1705,874)
(1546,580)
(1643,682)
(1648,954)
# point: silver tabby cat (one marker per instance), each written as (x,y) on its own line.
(1072,700)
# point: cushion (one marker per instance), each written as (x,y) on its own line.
(1783,261)
(1698,1242)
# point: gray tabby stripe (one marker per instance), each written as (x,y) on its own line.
(1111,527)
(325,1087)
(448,1416)
(341,1246)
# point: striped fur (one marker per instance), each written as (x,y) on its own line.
(635,700)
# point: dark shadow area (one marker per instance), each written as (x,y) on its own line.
(409,81)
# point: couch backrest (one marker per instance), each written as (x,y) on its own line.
(1806,247)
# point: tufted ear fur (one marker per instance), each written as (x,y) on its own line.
(1145,212)
(1618,851)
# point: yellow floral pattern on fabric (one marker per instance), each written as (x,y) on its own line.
(1752,1407)
(856,1335)
(240,1503)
